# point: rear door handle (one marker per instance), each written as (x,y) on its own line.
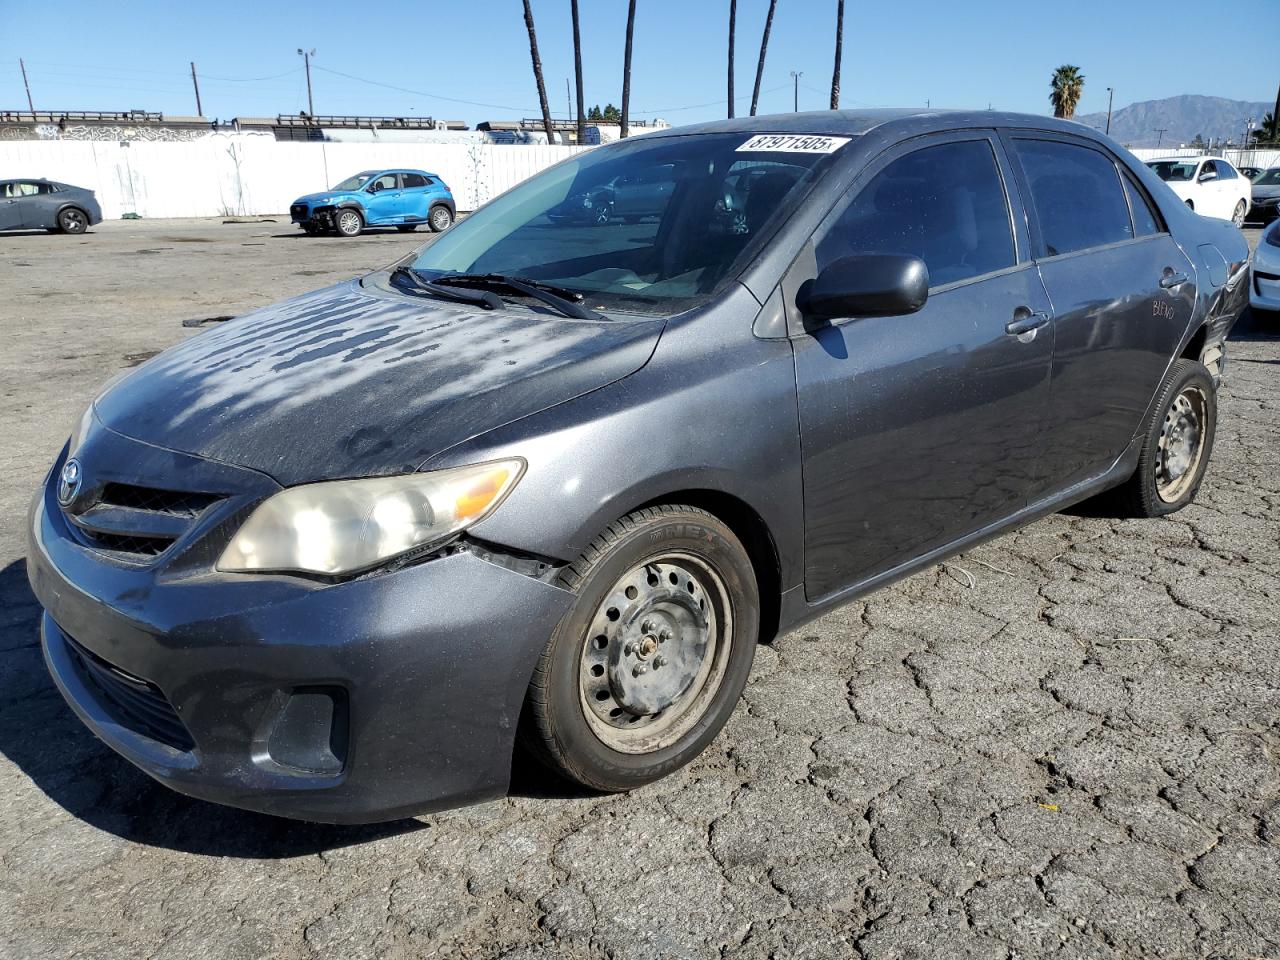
(1172,279)
(1024,321)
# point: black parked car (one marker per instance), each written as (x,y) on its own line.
(330,559)
(47,204)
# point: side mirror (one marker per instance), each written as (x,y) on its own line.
(1207,176)
(867,285)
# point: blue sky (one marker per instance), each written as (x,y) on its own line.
(135,55)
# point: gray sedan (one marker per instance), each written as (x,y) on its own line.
(1266,195)
(48,205)
(553,483)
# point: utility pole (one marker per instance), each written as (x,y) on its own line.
(196,83)
(306,56)
(1244,141)
(1160,135)
(795,77)
(1111,95)
(30,106)
(568,96)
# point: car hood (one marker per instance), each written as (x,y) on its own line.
(349,381)
(326,195)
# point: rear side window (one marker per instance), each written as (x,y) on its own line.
(1077,195)
(1145,221)
(412,180)
(944,204)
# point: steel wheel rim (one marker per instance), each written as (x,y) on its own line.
(1181,445)
(655,653)
(349,222)
(440,218)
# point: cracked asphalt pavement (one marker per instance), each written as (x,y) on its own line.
(1063,744)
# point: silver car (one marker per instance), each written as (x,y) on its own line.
(1266,195)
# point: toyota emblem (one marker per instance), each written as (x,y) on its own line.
(69,482)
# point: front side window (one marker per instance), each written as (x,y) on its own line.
(24,189)
(648,225)
(944,204)
(1225,170)
(1077,195)
(385,182)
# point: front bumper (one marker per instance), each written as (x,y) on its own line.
(307,216)
(420,674)
(1264,290)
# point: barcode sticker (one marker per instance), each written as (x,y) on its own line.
(792,143)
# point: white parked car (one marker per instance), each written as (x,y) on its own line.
(1209,185)
(1264,279)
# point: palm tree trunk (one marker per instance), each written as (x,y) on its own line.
(733,15)
(835,74)
(764,46)
(577,70)
(626,70)
(537,74)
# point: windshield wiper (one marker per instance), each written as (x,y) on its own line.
(479,298)
(568,302)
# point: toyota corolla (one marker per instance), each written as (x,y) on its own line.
(550,484)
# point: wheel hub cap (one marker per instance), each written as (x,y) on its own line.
(655,648)
(1181,444)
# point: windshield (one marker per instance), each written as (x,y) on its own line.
(649,226)
(1269,178)
(1173,170)
(356,182)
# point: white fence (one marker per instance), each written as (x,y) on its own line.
(238,175)
(1264,159)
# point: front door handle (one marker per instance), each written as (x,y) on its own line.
(1024,321)
(1172,279)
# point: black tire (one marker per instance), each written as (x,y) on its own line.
(559,728)
(311,230)
(348,222)
(440,218)
(73,220)
(406,227)
(1150,492)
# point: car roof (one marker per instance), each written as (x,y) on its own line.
(908,121)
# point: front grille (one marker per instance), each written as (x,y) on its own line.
(298,211)
(134,702)
(136,522)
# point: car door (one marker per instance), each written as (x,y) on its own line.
(415,202)
(919,429)
(21,206)
(385,199)
(1122,294)
(10,209)
(1230,187)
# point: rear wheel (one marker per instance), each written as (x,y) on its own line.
(1238,216)
(440,219)
(73,220)
(348,222)
(649,662)
(1177,445)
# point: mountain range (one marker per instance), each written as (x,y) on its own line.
(1181,118)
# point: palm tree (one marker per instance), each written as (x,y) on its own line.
(1065,89)
(626,70)
(835,74)
(764,46)
(733,15)
(1268,130)
(577,69)
(537,74)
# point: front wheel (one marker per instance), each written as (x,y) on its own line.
(649,662)
(72,220)
(440,219)
(1177,446)
(1238,216)
(348,223)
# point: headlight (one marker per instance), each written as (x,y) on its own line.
(344,526)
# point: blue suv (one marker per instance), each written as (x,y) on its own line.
(377,198)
